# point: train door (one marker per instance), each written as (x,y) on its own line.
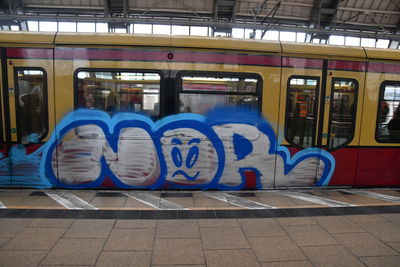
(319,103)
(342,118)
(5,177)
(28,78)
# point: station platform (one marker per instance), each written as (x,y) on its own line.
(296,227)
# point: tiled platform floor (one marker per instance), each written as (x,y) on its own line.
(352,240)
(299,235)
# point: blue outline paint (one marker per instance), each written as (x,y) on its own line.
(112,127)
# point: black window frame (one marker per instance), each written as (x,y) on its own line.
(354,114)
(380,99)
(159,72)
(17,106)
(219,74)
(316,104)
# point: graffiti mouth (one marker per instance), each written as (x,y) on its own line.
(187,176)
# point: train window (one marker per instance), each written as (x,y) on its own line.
(119,90)
(388,121)
(31,102)
(301,115)
(201,93)
(343,110)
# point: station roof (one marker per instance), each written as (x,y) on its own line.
(320,18)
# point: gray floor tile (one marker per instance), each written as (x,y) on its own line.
(261,227)
(3,241)
(364,244)
(74,252)
(387,261)
(275,248)
(130,239)
(50,223)
(338,224)
(331,256)
(177,229)
(124,258)
(387,232)
(310,235)
(84,228)
(223,238)
(231,258)
(296,221)
(10,227)
(370,218)
(178,251)
(287,264)
(394,218)
(21,258)
(34,239)
(135,224)
(395,246)
(218,223)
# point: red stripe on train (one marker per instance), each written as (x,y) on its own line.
(104,54)
(38,53)
(197,57)
(346,65)
(383,67)
(295,62)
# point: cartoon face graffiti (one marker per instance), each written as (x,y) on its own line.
(191,158)
(189,162)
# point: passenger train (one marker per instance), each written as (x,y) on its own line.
(177,112)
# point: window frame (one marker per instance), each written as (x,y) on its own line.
(316,104)
(222,74)
(159,72)
(17,105)
(380,99)
(354,119)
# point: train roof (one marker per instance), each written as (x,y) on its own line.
(53,38)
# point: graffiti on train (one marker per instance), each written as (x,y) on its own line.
(227,149)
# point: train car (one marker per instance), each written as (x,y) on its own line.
(170,112)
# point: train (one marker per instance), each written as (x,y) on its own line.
(123,111)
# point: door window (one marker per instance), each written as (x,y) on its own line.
(301,110)
(388,121)
(343,112)
(31,103)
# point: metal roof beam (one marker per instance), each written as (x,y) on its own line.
(204,23)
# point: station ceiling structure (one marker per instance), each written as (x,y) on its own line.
(317,18)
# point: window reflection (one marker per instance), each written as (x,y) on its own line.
(342,113)
(203,93)
(32,105)
(115,91)
(301,114)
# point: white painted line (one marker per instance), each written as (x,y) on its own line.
(70,201)
(2,206)
(317,200)
(238,201)
(374,195)
(153,201)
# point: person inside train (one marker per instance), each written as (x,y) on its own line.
(394,125)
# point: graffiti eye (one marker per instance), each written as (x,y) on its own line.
(192,156)
(176,156)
